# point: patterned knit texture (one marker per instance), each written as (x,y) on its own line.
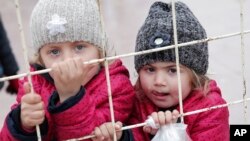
(54,21)
(157,31)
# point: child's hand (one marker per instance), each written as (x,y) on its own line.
(106,130)
(68,76)
(160,119)
(32,109)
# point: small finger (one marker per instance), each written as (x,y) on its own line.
(27,88)
(153,131)
(175,116)
(168,116)
(33,122)
(64,68)
(98,134)
(31,98)
(155,118)
(78,63)
(72,69)
(104,130)
(118,125)
(147,129)
(111,130)
(55,71)
(161,118)
(36,115)
(118,128)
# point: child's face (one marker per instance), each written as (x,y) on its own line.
(59,52)
(159,83)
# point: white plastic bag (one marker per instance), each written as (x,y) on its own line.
(169,132)
(172,132)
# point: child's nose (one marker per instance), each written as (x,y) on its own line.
(68,55)
(160,80)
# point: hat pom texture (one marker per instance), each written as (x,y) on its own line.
(157,31)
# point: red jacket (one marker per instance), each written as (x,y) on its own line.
(206,126)
(78,116)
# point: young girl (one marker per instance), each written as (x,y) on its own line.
(72,99)
(157,86)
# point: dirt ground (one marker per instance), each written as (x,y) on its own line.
(124,17)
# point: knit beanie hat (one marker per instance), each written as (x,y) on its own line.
(157,31)
(55,21)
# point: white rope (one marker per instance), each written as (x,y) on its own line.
(106,65)
(177,59)
(243,59)
(132,54)
(149,121)
(181,115)
(25,52)
(106,59)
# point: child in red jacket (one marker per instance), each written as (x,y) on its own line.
(72,99)
(157,85)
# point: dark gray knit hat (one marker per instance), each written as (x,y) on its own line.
(157,31)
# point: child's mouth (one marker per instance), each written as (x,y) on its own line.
(160,94)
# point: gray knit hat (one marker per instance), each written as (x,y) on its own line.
(54,21)
(157,31)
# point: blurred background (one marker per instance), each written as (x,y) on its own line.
(123,19)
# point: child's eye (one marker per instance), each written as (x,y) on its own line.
(54,52)
(150,69)
(79,47)
(172,70)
